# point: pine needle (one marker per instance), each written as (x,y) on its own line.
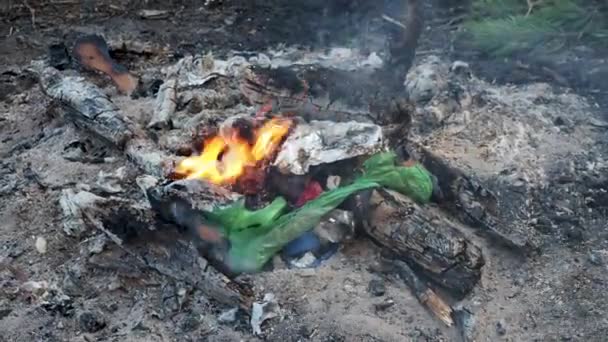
(502,27)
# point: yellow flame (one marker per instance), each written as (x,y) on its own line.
(269,137)
(223,160)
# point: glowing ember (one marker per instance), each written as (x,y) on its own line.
(224,159)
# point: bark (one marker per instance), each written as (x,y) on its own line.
(425,295)
(166,101)
(472,202)
(425,239)
(87,106)
(163,249)
(90,109)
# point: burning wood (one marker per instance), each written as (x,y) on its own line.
(226,156)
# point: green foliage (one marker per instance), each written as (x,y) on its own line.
(501,27)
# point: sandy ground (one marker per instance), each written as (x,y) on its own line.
(556,294)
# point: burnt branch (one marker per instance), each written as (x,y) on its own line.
(471,201)
(403,43)
(422,236)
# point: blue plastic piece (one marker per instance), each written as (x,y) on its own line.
(307,242)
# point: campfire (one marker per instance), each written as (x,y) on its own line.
(204,171)
(325,172)
(300,184)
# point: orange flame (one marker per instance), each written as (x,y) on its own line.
(223,159)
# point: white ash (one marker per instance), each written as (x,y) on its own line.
(490,128)
(72,203)
(196,71)
(262,311)
(323,142)
(41,245)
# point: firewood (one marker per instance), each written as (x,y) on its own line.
(165,251)
(166,102)
(426,239)
(469,200)
(86,105)
(90,109)
(425,295)
(403,44)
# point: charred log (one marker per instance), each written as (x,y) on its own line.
(165,251)
(426,240)
(91,110)
(425,295)
(183,203)
(404,42)
(469,200)
(87,106)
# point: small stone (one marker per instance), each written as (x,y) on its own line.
(228,316)
(189,323)
(41,245)
(91,322)
(595,258)
(384,305)
(97,244)
(574,234)
(195,105)
(501,327)
(114,284)
(376,287)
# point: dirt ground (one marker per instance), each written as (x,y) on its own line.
(555,294)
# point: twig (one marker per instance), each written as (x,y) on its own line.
(425,295)
(32,13)
(393,21)
(531,5)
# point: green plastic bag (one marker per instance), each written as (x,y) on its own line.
(257,235)
(413,181)
(251,248)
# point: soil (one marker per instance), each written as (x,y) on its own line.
(557,293)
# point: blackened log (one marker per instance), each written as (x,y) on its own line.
(184,203)
(172,255)
(165,251)
(472,202)
(90,109)
(426,240)
(199,194)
